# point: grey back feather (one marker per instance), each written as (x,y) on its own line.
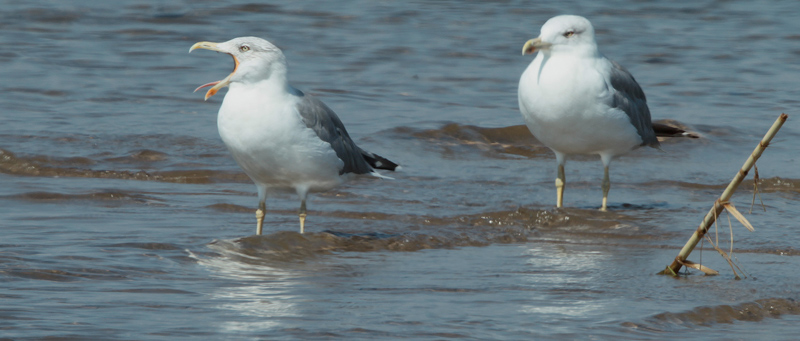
(329,128)
(630,98)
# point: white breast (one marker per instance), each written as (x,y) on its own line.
(268,139)
(566,102)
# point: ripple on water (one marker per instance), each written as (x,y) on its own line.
(583,226)
(43,166)
(709,316)
(507,142)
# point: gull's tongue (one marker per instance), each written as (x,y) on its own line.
(206,85)
(215,86)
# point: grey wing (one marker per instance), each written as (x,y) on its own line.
(629,97)
(329,128)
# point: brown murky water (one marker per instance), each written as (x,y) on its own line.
(124,218)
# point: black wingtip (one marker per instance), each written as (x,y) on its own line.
(379,162)
(665,130)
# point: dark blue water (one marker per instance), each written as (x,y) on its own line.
(122,216)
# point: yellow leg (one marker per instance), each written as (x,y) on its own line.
(302,216)
(260,217)
(560,183)
(606,186)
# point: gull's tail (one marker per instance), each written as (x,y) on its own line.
(665,130)
(379,162)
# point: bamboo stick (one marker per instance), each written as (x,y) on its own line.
(719,204)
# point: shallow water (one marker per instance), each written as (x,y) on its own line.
(123,217)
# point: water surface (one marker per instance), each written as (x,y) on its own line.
(124,218)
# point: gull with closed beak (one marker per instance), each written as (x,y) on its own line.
(576,101)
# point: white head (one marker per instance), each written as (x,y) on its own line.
(254,59)
(569,33)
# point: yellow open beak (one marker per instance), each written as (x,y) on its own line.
(215,86)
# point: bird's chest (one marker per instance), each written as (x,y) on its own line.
(562,90)
(566,104)
(266,134)
(253,122)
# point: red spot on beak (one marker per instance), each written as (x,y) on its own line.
(206,85)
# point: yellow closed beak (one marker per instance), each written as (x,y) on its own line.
(533,45)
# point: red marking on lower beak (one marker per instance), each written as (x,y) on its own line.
(206,85)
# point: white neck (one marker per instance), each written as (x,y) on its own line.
(260,70)
(580,51)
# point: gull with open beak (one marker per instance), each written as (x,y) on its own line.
(215,86)
(281,137)
(576,101)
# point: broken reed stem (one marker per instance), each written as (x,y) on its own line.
(719,204)
(726,256)
(756,191)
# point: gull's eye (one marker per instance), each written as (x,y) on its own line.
(569,34)
(244,48)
